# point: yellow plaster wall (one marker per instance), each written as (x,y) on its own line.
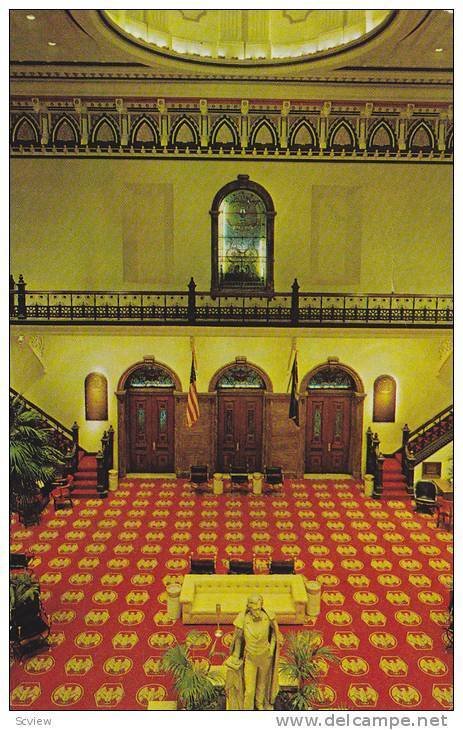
(70,218)
(411,358)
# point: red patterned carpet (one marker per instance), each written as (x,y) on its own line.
(103,566)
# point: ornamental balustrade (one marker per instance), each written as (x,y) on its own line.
(201,308)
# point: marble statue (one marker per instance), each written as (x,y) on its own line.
(252,676)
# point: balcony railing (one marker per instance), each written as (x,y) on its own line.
(199,308)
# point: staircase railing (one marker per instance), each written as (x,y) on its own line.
(105,461)
(64,439)
(422,442)
(374,462)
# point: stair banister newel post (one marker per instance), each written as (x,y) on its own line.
(295,302)
(75,447)
(100,486)
(191,300)
(407,459)
(110,447)
(405,436)
(377,464)
(370,454)
(68,461)
(105,452)
(22,312)
(12,291)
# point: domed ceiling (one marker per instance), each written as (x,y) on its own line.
(247,37)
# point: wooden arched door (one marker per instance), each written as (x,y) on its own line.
(333,422)
(240,417)
(146,417)
(328,432)
(151,431)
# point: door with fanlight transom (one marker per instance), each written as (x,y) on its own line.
(151,432)
(240,421)
(328,432)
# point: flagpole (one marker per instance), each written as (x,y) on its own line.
(291,359)
(193,351)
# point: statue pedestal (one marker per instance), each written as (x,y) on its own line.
(257,483)
(113,480)
(313,588)
(162,705)
(173,601)
(217,484)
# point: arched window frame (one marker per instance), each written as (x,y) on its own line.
(217,287)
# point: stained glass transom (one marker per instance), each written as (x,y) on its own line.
(240,376)
(332,378)
(150,377)
(242,240)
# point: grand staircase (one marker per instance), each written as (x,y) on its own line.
(83,465)
(394,473)
(85,478)
(394,481)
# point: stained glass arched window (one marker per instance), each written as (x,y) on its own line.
(240,376)
(331,377)
(242,217)
(150,376)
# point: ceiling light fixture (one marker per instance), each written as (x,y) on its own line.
(51,43)
(30,17)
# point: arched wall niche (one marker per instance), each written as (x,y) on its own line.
(96,397)
(384,399)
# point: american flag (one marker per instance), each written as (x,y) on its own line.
(192,405)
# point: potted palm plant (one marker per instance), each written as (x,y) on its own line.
(24,588)
(195,688)
(300,663)
(33,459)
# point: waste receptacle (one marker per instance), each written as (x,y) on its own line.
(173,600)
(313,588)
(368,484)
(257,482)
(113,480)
(217,484)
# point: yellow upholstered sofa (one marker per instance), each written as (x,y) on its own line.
(285,595)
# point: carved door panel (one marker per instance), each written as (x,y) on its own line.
(328,433)
(151,430)
(240,422)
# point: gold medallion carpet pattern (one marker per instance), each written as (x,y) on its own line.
(104,566)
